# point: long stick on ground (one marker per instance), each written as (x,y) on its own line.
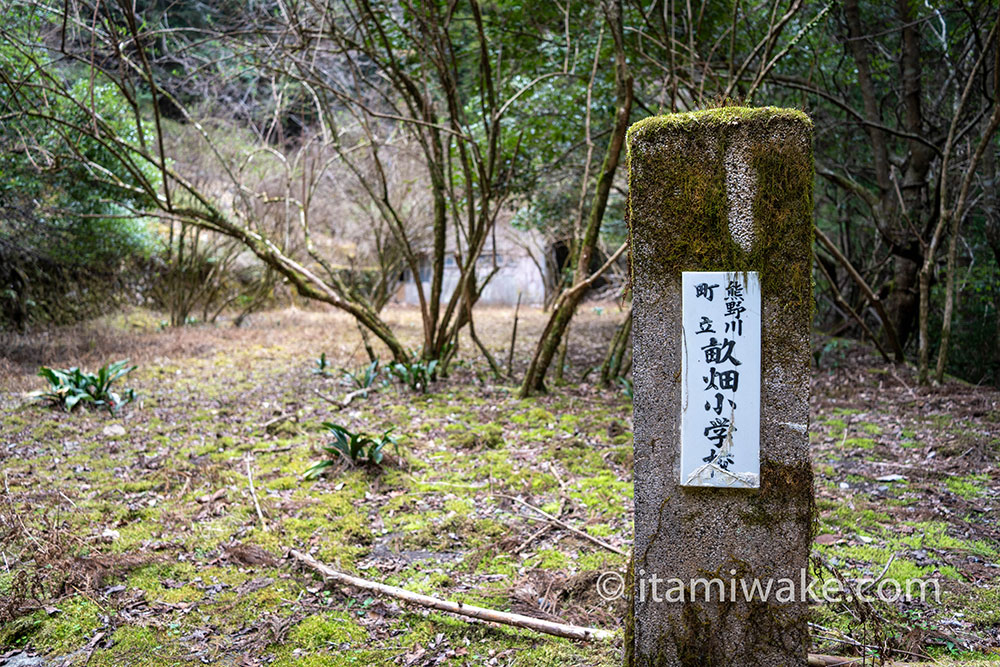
(253,494)
(483,614)
(492,615)
(820,660)
(562,524)
(364,391)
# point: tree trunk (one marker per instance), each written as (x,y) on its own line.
(991,210)
(902,302)
(950,215)
(990,196)
(915,187)
(613,360)
(949,302)
(534,379)
(924,352)
(561,356)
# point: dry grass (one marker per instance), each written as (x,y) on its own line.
(136,335)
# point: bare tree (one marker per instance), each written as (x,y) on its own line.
(920,163)
(680,74)
(372,73)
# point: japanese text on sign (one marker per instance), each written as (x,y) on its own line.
(720,396)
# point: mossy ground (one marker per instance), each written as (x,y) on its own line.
(170,500)
(909,473)
(187,575)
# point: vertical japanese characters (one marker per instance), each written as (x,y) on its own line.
(721,408)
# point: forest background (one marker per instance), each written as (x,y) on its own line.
(209,158)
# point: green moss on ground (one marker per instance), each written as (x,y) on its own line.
(61,632)
(464,447)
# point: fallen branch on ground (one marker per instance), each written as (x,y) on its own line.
(494,616)
(819,660)
(276,420)
(563,524)
(531,538)
(483,614)
(253,494)
(341,404)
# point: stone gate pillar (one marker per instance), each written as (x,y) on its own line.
(720,206)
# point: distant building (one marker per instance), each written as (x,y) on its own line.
(519,257)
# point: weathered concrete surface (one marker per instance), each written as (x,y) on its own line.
(682,219)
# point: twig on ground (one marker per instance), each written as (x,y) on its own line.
(900,381)
(456,485)
(274,450)
(531,538)
(187,484)
(839,637)
(834,635)
(211,498)
(819,660)
(563,524)
(92,646)
(253,494)
(555,473)
(276,420)
(877,579)
(547,605)
(68,499)
(483,614)
(341,404)
(906,466)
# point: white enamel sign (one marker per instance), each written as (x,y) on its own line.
(720,395)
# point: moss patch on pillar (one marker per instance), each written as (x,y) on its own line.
(726,189)
(689,197)
(786,494)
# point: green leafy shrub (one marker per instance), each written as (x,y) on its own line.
(322,366)
(416,374)
(365,377)
(70,387)
(71,241)
(354,447)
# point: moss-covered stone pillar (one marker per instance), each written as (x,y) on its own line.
(730,190)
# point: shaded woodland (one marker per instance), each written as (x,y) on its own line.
(209,158)
(250,249)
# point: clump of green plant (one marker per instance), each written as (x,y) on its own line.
(365,377)
(833,354)
(416,374)
(70,387)
(356,448)
(322,366)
